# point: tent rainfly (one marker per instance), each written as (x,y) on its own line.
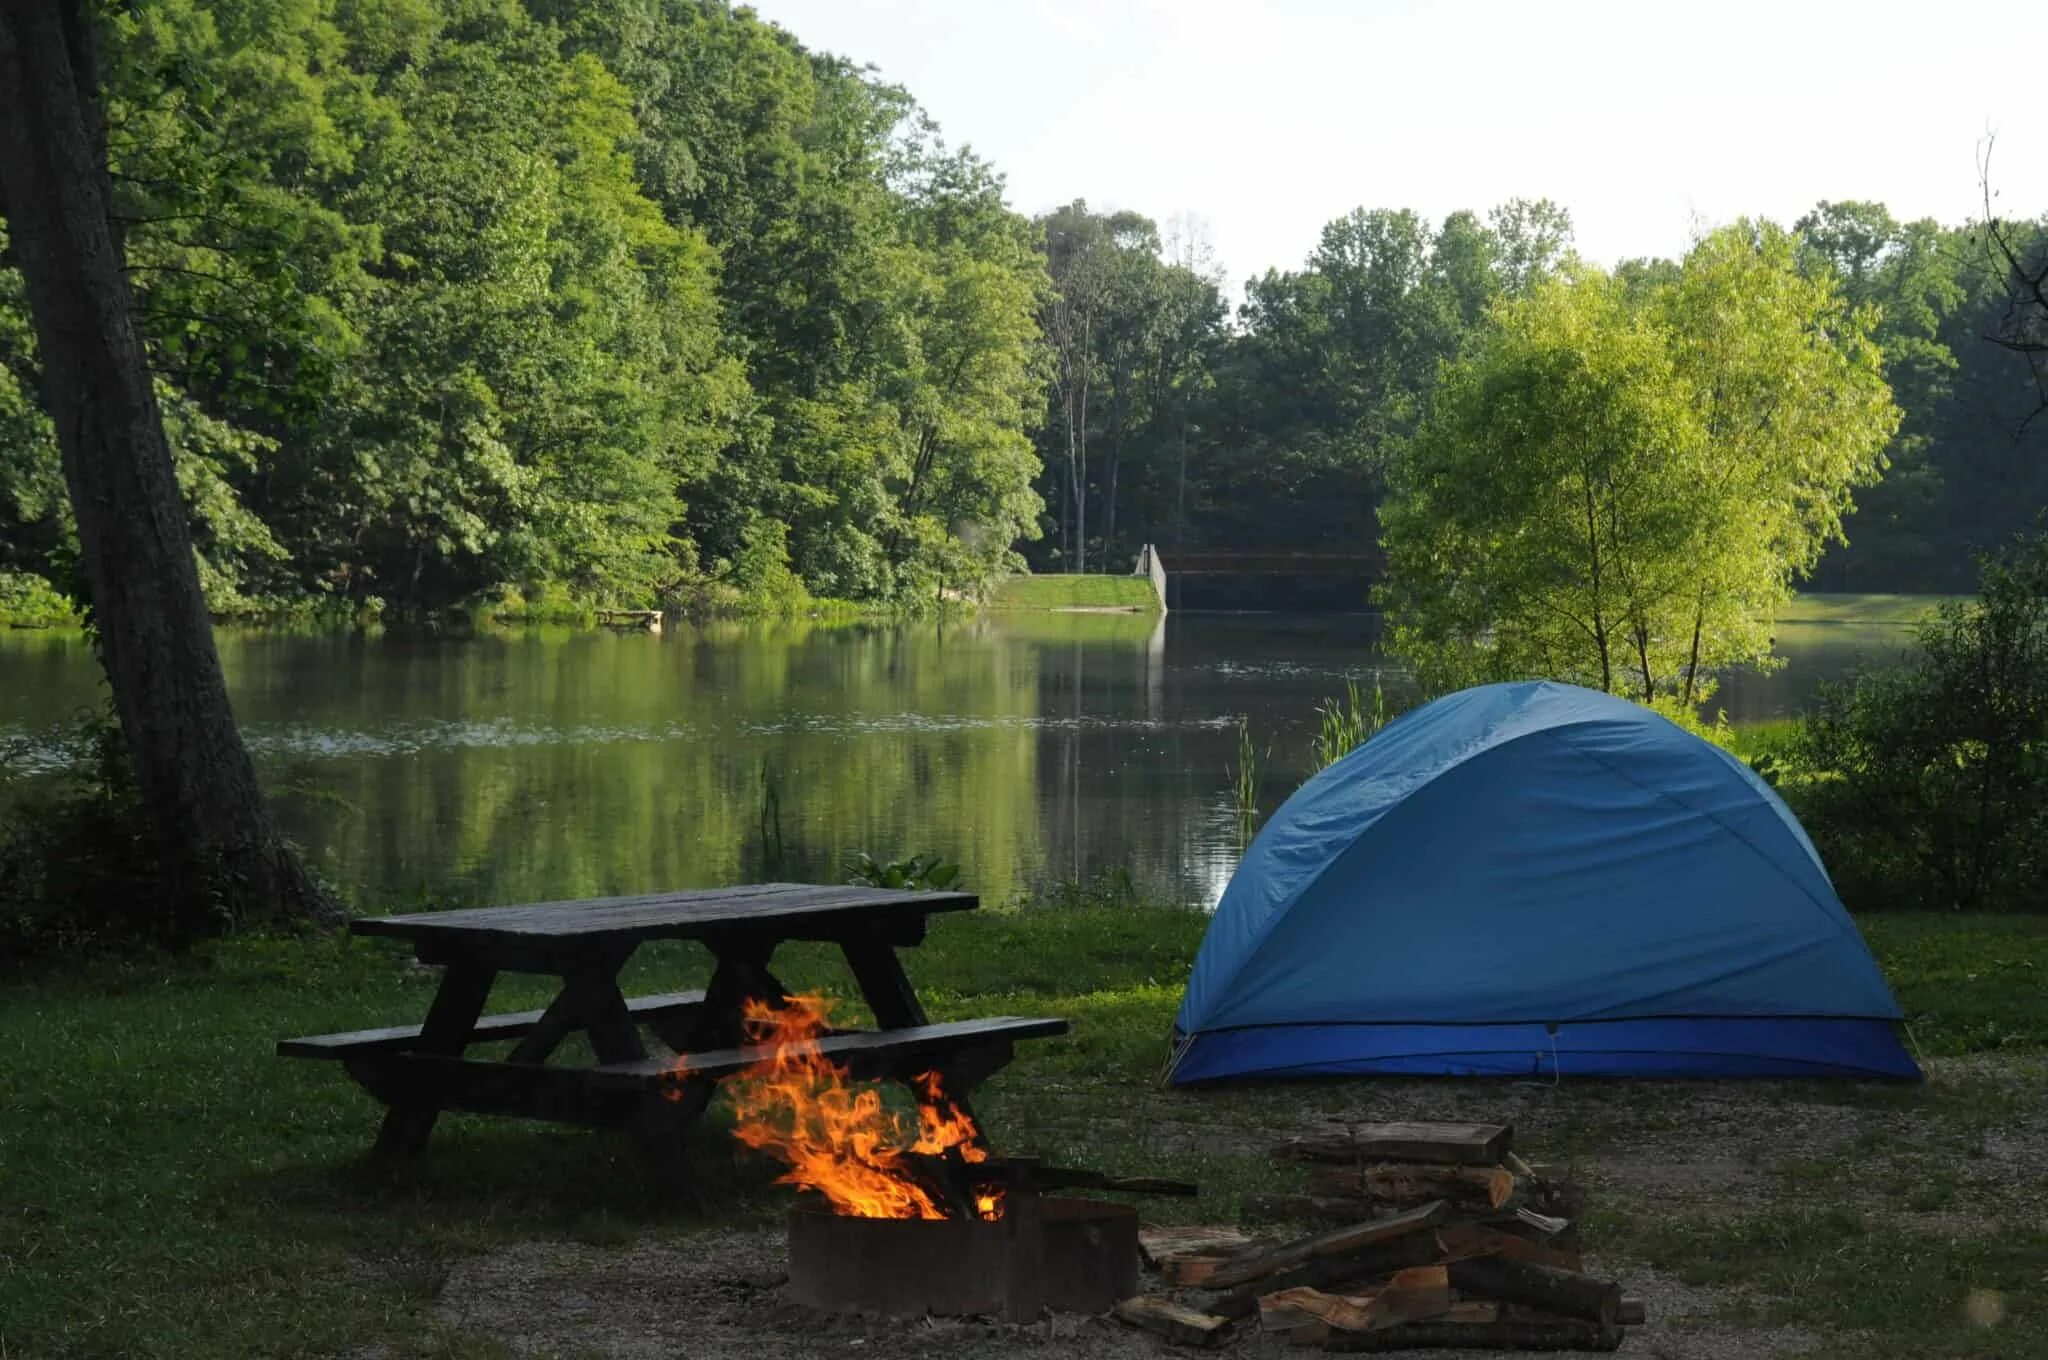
(1535,880)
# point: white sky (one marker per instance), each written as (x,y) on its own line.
(1263,119)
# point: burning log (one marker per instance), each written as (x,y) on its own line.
(1451,1144)
(1413,1184)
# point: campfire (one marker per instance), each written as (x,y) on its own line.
(906,1211)
(839,1138)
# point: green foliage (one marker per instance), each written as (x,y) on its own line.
(1619,483)
(637,302)
(919,872)
(80,870)
(1344,725)
(29,602)
(1926,784)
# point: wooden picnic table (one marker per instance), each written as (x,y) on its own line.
(419,1070)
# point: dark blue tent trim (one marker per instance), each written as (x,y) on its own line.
(1776,1046)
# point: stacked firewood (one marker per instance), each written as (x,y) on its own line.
(1441,1237)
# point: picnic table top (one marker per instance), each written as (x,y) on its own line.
(796,907)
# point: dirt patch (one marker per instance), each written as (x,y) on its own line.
(1952,1158)
(713,1294)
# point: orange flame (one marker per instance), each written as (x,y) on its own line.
(838,1137)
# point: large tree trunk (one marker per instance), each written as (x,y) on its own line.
(196,779)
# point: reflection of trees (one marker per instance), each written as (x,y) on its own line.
(667,789)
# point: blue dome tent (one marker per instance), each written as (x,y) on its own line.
(1535,880)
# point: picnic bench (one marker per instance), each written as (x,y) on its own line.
(419,1070)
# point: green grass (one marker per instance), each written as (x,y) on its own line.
(1075,592)
(169,1188)
(1899,610)
(1967,984)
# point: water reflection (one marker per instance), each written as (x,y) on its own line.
(1030,748)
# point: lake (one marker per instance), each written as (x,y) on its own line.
(1030,748)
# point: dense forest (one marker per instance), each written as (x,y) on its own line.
(639,302)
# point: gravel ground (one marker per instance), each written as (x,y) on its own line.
(1701,1148)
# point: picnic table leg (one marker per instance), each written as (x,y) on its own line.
(883,982)
(590,1000)
(741,975)
(465,986)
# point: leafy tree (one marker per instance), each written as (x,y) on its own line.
(1791,391)
(213,833)
(1541,521)
(1621,479)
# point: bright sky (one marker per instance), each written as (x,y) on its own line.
(1263,119)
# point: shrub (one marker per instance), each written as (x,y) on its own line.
(79,866)
(1926,784)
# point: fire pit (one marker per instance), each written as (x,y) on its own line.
(1085,1260)
(908,1211)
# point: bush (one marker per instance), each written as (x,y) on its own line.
(1926,784)
(79,866)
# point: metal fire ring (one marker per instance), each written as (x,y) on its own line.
(902,1267)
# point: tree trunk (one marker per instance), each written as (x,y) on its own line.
(1081,486)
(156,641)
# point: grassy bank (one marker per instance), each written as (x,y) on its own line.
(1075,592)
(167,1187)
(1881,610)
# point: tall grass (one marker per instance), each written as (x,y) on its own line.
(1344,725)
(1244,783)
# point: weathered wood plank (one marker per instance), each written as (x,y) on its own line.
(876,1052)
(791,910)
(1451,1143)
(1336,1242)
(511,1025)
(414,1081)
(1163,1317)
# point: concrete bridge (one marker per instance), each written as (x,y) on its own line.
(1264,581)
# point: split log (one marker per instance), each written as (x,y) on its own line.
(1632,1312)
(1193,1268)
(1563,1292)
(1560,1334)
(1460,1241)
(1490,1186)
(1341,1274)
(1422,1292)
(1156,1244)
(1337,1242)
(1163,1317)
(1451,1144)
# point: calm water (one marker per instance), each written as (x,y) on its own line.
(1031,749)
